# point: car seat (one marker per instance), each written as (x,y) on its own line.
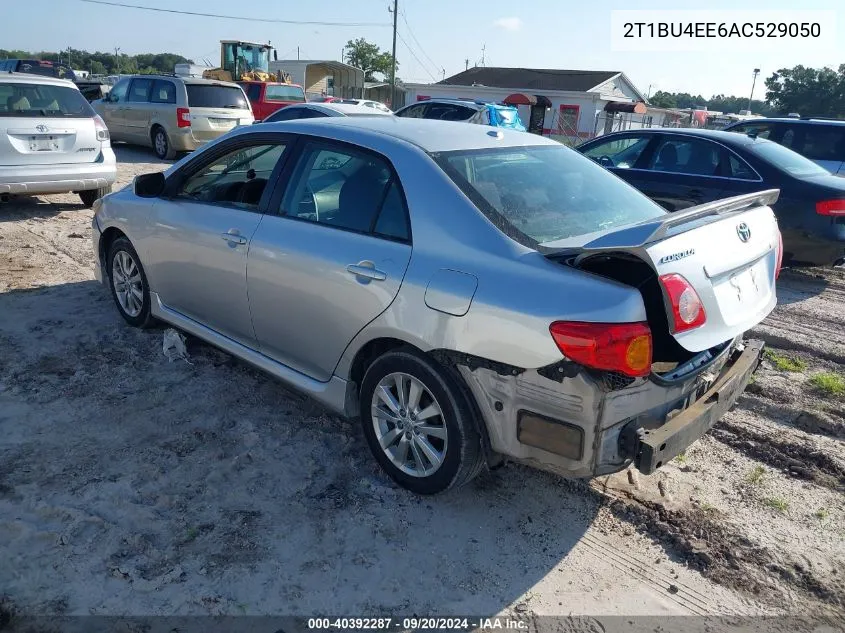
(360,197)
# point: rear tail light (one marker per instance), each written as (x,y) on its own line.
(183,117)
(687,309)
(831,207)
(101,128)
(622,347)
(780,255)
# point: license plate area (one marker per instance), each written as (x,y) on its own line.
(222,123)
(43,143)
(743,291)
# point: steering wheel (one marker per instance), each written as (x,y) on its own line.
(308,204)
(605,161)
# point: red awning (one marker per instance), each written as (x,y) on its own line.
(519,98)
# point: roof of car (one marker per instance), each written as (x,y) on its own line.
(430,135)
(187,80)
(9,77)
(806,121)
(342,108)
(731,138)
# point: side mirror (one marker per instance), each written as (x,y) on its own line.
(149,185)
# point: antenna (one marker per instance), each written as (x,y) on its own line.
(466,64)
(483,50)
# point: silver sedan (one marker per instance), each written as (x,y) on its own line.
(473,295)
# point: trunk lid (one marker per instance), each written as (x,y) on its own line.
(727,250)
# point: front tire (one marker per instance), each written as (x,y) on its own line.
(89,196)
(128,283)
(161,144)
(418,423)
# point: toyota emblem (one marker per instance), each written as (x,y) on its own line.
(743,231)
(41,128)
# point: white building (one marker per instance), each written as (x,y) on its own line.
(571,105)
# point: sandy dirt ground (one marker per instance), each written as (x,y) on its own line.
(134,485)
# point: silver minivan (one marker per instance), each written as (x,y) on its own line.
(172,114)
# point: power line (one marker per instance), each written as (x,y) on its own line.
(414,55)
(434,65)
(233,17)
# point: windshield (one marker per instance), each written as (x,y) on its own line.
(34,100)
(285,93)
(784,158)
(540,194)
(210,96)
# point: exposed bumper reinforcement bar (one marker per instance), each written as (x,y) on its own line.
(658,446)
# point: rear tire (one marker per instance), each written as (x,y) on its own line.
(161,144)
(89,196)
(429,430)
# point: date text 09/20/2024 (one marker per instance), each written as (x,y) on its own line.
(415,623)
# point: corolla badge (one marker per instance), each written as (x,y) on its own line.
(676,256)
(743,231)
(42,128)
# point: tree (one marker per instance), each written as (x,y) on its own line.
(98,68)
(808,91)
(102,63)
(661,99)
(369,58)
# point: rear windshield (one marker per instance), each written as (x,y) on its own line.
(543,194)
(285,93)
(787,160)
(46,68)
(33,100)
(203,96)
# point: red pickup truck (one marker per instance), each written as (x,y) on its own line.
(266,97)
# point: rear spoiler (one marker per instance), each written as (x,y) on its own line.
(639,235)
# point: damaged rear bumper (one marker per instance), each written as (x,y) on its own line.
(658,446)
(568,421)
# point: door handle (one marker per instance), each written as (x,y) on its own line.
(367,270)
(233,238)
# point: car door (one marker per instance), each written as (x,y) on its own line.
(197,250)
(330,259)
(682,171)
(137,110)
(113,108)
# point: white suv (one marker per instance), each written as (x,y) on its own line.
(51,140)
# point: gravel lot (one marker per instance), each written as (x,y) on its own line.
(133,485)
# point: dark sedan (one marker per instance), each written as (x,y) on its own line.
(686,167)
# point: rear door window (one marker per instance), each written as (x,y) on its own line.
(212,96)
(139,90)
(163,92)
(691,156)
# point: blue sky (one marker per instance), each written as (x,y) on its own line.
(442,34)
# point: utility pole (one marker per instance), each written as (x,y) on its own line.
(466,64)
(753,82)
(393,68)
(483,50)
(297,54)
(443,71)
(116,60)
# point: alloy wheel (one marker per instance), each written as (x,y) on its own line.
(409,424)
(161,143)
(128,284)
